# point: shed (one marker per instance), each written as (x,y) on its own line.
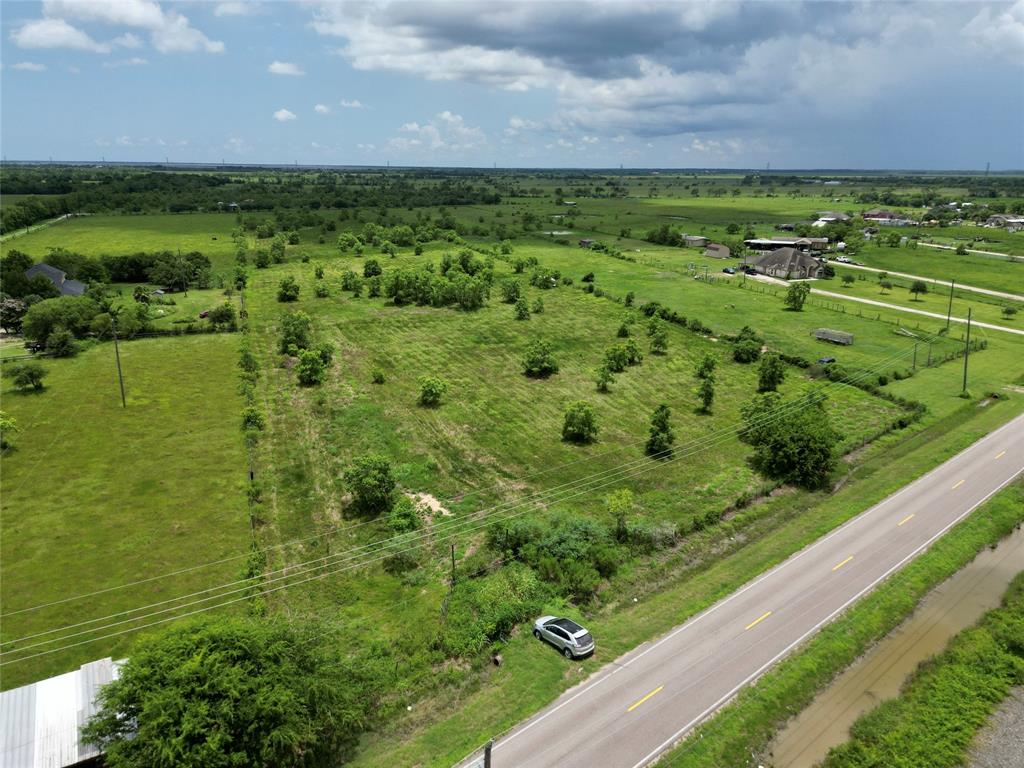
(39,723)
(586,242)
(717,251)
(836,337)
(695,241)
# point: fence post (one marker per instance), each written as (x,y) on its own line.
(487,753)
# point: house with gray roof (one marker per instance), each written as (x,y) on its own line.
(788,264)
(60,279)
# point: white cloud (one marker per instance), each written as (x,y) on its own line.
(29,66)
(590,139)
(134,61)
(127,40)
(285,68)
(1002,33)
(446,132)
(176,36)
(619,139)
(55,33)
(284,115)
(236,8)
(237,146)
(322,109)
(366,147)
(351,104)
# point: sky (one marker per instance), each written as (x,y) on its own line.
(886,85)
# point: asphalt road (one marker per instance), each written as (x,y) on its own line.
(639,705)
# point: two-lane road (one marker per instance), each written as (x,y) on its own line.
(637,707)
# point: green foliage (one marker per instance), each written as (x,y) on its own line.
(659,341)
(228,692)
(371,268)
(29,376)
(73,313)
(796,295)
(706,367)
(371,482)
(296,331)
(799,448)
(538,306)
(8,427)
(661,436)
(432,389)
(311,369)
(580,424)
(539,361)
(522,309)
(252,418)
(486,609)
(378,376)
(321,291)
(288,289)
(917,288)
(222,316)
(318,272)
(706,393)
(770,373)
(603,378)
(746,351)
(247,361)
(511,291)
(405,515)
(261,259)
(60,343)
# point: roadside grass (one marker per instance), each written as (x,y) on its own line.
(95,496)
(971,269)
(948,698)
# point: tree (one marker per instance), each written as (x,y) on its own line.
(706,393)
(796,295)
(917,288)
(261,259)
(12,312)
(371,482)
(580,425)
(311,368)
(510,291)
(884,286)
(222,316)
(522,309)
(29,376)
(74,313)
(746,351)
(539,361)
(603,378)
(1009,311)
(288,289)
(961,250)
(538,306)
(8,427)
(60,343)
(770,374)
(659,341)
(432,389)
(659,443)
(174,274)
(296,332)
(849,279)
(233,691)
(371,268)
(707,366)
(252,418)
(348,241)
(798,448)
(619,504)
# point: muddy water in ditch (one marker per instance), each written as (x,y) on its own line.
(954,605)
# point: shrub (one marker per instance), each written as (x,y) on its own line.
(288,290)
(796,295)
(29,376)
(371,268)
(311,369)
(296,331)
(746,351)
(321,291)
(633,354)
(60,343)
(8,427)
(706,393)
(659,341)
(706,367)
(222,316)
(580,424)
(538,306)
(432,389)
(603,378)
(616,358)
(623,332)
(405,515)
(247,361)
(770,373)
(252,418)
(378,376)
(659,442)
(629,299)
(371,482)
(539,361)
(587,278)
(522,309)
(510,291)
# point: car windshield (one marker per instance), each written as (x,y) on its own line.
(568,625)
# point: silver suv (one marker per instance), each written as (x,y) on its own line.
(565,634)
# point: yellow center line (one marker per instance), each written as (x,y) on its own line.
(906,519)
(1000,454)
(836,568)
(645,698)
(758,620)
(957,484)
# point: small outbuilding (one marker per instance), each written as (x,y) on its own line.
(586,242)
(695,241)
(836,337)
(717,251)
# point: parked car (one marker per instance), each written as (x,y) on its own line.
(205,313)
(826,360)
(729,271)
(565,634)
(843,259)
(750,270)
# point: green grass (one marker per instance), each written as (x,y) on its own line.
(95,495)
(941,707)
(978,271)
(743,729)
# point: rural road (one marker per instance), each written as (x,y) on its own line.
(1007,256)
(932,280)
(639,705)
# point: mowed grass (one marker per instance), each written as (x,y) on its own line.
(209,233)
(971,269)
(95,496)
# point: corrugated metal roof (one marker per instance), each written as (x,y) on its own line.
(39,723)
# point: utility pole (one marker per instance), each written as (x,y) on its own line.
(117,356)
(949,310)
(453,565)
(487,753)
(967,347)
(915,355)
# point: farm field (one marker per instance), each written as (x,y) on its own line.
(95,495)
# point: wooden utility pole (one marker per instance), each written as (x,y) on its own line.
(117,356)
(949,311)
(453,565)
(967,347)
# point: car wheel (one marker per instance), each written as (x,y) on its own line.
(567,652)
(536,633)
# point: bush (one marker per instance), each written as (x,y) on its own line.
(432,389)
(580,424)
(510,291)
(73,313)
(29,376)
(706,367)
(483,610)
(321,291)
(378,376)
(604,378)
(371,268)
(796,295)
(706,393)
(296,331)
(522,309)
(60,343)
(616,358)
(371,482)
(405,515)
(288,290)
(252,418)
(538,306)
(311,369)
(746,351)
(770,374)
(661,437)
(222,316)
(539,361)
(587,278)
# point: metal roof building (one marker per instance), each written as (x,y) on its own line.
(39,723)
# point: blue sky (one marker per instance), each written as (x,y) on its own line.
(521,84)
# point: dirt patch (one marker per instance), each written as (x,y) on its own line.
(430,502)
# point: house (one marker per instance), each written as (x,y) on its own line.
(58,278)
(829,216)
(586,242)
(39,723)
(789,264)
(836,337)
(717,251)
(888,218)
(1010,221)
(808,244)
(695,241)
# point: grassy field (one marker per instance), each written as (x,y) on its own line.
(95,495)
(979,271)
